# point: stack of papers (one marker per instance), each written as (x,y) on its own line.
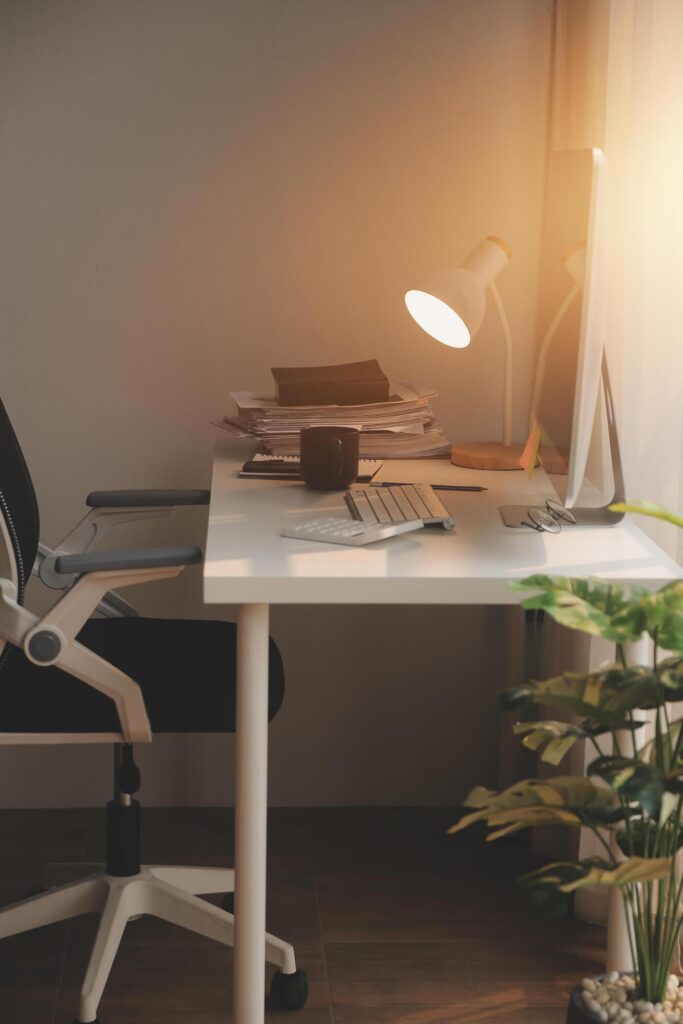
(401,428)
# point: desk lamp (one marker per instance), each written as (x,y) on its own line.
(451,308)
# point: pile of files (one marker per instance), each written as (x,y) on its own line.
(403,427)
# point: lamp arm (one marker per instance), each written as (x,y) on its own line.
(543,352)
(507,365)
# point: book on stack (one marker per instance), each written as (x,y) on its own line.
(347,384)
(402,427)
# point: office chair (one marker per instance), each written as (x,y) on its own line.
(70,678)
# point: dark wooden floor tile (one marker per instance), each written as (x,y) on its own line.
(29,845)
(417,843)
(379,888)
(30,975)
(159,978)
(15,819)
(415,924)
(195,834)
(503,1011)
(292,907)
(478,974)
(409,907)
(187,835)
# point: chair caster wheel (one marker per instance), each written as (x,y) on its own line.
(228,902)
(289,991)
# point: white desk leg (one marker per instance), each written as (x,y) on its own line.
(618,949)
(619,956)
(251,769)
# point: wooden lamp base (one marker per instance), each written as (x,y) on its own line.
(487,455)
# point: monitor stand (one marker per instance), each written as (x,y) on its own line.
(516,515)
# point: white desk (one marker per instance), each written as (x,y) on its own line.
(249,564)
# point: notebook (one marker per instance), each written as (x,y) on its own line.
(287,467)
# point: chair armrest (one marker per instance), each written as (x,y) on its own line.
(124,559)
(147,499)
(108,509)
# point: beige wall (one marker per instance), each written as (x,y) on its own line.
(194,191)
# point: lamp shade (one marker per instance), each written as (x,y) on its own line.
(450,306)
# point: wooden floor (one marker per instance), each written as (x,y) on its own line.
(394,922)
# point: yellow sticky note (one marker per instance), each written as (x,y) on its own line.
(529,457)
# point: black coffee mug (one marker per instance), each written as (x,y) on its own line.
(329,457)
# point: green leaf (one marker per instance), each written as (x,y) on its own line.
(514,697)
(568,876)
(662,614)
(557,748)
(605,816)
(559,737)
(651,751)
(535,583)
(633,869)
(632,688)
(618,691)
(561,800)
(562,872)
(648,508)
(670,672)
(616,723)
(638,838)
(632,779)
(480,796)
(590,606)
(507,822)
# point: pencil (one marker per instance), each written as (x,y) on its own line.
(435,487)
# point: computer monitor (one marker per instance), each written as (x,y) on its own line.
(579,448)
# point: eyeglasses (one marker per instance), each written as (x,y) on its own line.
(550,518)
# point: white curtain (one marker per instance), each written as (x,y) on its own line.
(644,145)
(618,84)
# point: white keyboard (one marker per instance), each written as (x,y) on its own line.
(398,504)
(331,530)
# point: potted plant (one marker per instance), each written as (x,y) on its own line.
(631,796)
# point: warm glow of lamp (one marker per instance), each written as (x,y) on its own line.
(450,307)
(438,319)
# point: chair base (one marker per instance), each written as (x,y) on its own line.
(170,893)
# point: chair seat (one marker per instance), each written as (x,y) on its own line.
(185,668)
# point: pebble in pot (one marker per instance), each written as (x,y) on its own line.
(614,998)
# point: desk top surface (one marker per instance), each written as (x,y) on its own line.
(247,561)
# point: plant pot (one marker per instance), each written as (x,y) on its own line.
(578,1012)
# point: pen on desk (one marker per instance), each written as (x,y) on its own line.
(435,487)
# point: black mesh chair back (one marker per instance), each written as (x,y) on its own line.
(17,502)
(19,510)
